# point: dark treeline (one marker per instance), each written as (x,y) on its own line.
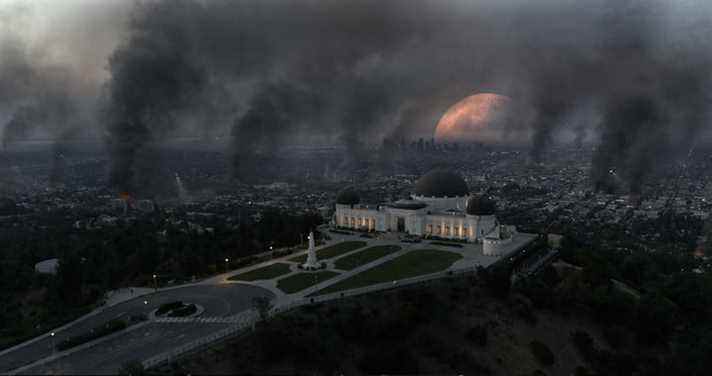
(92,262)
(653,307)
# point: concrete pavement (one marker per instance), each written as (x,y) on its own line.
(218,301)
(221,298)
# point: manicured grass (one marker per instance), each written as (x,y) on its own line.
(411,264)
(299,259)
(268,272)
(299,282)
(359,258)
(332,251)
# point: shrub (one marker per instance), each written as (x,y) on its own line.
(462,360)
(582,371)
(584,344)
(132,368)
(133,319)
(167,307)
(524,309)
(263,305)
(388,359)
(477,335)
(183,311)
(542,353)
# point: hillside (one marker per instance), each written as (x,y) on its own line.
(445,327)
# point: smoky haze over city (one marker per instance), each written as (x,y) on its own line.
(629,76)
(225,181)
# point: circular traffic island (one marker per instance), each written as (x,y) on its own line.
(177,309)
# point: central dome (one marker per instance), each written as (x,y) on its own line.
(441,183)
(348,196)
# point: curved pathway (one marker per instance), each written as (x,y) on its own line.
(218,300)
(225,303)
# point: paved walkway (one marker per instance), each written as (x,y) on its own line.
(235,317)
(121,295)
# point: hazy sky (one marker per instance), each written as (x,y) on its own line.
(75,34)
(634,72)
(81,34)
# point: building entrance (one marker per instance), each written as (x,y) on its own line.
(401,224)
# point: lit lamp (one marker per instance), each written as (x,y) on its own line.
(227,260)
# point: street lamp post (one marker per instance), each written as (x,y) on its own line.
(227,261)
(53,347)
(155,282)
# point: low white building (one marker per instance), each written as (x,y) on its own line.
(440,207)
(48,266)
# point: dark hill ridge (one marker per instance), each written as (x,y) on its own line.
(445,327)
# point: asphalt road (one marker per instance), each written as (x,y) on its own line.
(218,301)
(107,357)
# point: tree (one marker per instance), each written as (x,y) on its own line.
(69,277)
(263,305)
(132,368)
(542,353)
(656,319)
(497,279)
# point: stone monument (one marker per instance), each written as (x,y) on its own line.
(312,263)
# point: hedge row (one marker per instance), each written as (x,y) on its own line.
(167,307)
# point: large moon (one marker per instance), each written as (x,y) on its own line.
(483,118)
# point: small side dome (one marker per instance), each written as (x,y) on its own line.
(348,196)
(480,205)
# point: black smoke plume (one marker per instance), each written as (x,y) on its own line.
(348,71)
(154,75)
(274,113)
(37,99)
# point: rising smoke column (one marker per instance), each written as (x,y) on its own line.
(629,138)
(365,62)
(38,98)
(276,111)
(154,74)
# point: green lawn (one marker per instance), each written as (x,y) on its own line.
(359,258)
(268,272)
(299,282)
(332,251)
(411,264)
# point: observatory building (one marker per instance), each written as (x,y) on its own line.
(439,207)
